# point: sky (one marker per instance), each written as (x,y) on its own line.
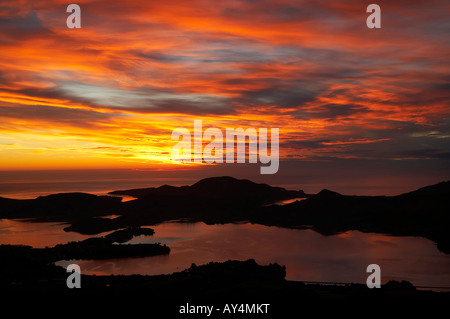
(359,106)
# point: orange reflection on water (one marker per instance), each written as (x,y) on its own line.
(307,255)
(39,235)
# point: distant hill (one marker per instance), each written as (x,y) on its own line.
(59,207)
(217,188)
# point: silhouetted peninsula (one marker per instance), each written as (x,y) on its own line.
(91,248)
(124,235)
(103,248)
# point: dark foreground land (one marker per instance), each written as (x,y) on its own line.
(28,276)
(218,284)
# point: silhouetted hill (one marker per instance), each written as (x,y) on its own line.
(436,190)
(59,207)
(225,187)
(327,194)
(217,188)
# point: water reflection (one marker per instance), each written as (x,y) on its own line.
(287,201)
(306,254)
(38,235)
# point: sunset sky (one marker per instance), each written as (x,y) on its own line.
(348,100)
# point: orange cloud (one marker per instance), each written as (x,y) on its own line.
(113,91)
